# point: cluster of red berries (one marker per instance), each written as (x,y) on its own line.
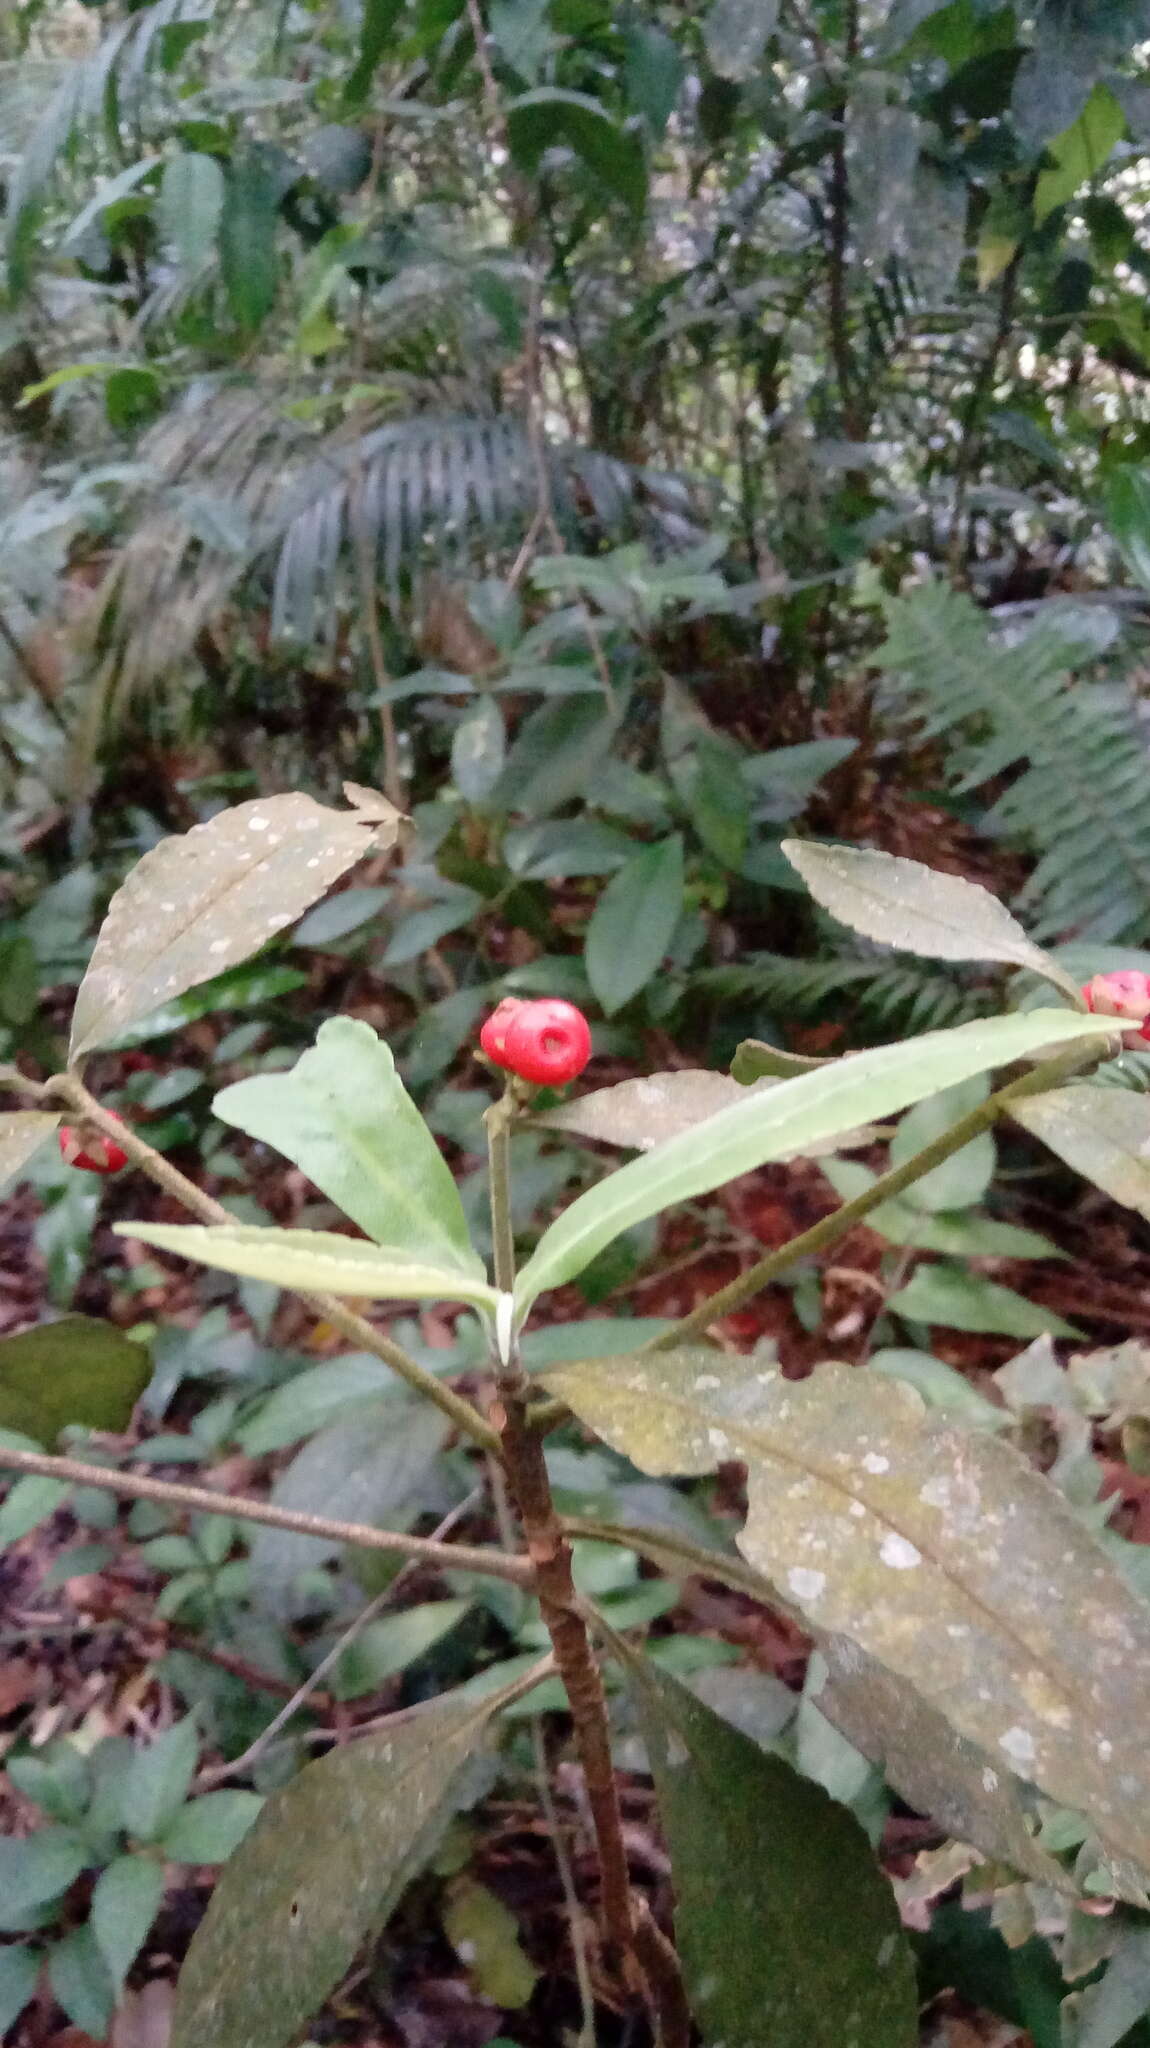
(547,1041)
(1123,993)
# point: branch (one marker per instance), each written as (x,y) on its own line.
(137,1486)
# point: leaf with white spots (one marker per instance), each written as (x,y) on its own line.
(787,1119)
(1103,1133)
(22,1132)
(206,899)
(903,903)
(322,1868)
(315,1262)
(638,1115)
(941,1553)
(788,1931)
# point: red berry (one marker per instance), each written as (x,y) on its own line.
(493,1037)
(90,1150)
(548,1042)
(1123,993)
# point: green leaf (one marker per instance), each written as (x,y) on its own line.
(478,751)
(1121,1997)
(940,1386)
(80,1981)
(132,397)
(962,1180)
(19,1971)
(191,203)
(36,1870)
(558,753)
(634,923)
(550,114)
(905,904)
(1128,513)
(640,1114)
(940,1552)
(653,73)
(249,259)
(1103,1133)
(961,1300)
(124,1905)
(210,1829)
(379,1467)
(965,1233)
(1080,152)
(22,1134)
(755,1060)
(343,1115)
(323,1867)
(28,1502)
(75,1370)
(157,1780)
(391,1645)
(757,1854)
(736,33)
(784,1120)
(314,1261)
(485,1934)
(312,1399)
(375,36)
(207,899)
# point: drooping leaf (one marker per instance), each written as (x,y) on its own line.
(634,923)
(934,1769)
(941,1553)
(551,114)
(208,898)
(376,26)
(787,1119)
(1103,1133)
(1128,517)
(22,1133)
(343,1115)
(918,909)
(788,1931)
(324,1865)
(736,33)
(77,1370)
(314,1262)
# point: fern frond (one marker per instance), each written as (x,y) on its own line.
(1080,771)
(884,994)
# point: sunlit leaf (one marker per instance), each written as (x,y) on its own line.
(788,1120)
(323,1867)
(314,1261)
(343,1115)
(788,1931)
(77,1370)
(940,1552)
(918,909)
(207,899)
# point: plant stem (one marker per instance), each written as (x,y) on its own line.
(137,1486)
(364,1335)
(628,1930)
(827,1232)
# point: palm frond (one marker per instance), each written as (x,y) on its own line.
(1078,764)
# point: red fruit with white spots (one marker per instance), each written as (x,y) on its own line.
(91,1150)
(493,1037)
(1123,993)
(548,1042)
